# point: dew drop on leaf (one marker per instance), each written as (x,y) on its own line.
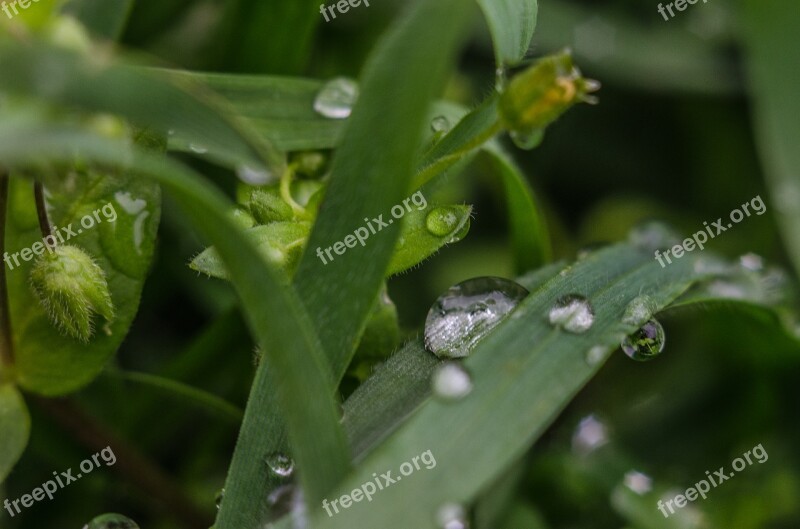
(452,516)
(652,235)
(443,220)
(111,521)
(646,343)
(280,465)
(440,124)
(596,354)
(573,313)
(254,176)
(639,310)
(451,381)
(467,312)
(336,99)
(197,148)
(527,139)
(218,499)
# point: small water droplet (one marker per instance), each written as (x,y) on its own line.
(440,124)
(596,354)
(111,521)
(199,149)
(254,176)
(218,499)
(646,343)
(652,235)
(442,220)
(588,249)
(500,79)
(637,482)
(280,464)
(452,516)
(752,262)
(336,99)
(451,381)
(573,313)
(590,435)
(527,139)
(639,310)
(466,312)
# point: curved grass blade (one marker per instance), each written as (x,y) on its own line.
(295,375)
(512,23)
(773,55)
(15,425)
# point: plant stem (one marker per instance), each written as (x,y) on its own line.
(6,344)
(41,211)
(131,463)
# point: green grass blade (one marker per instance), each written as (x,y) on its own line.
(298,373)
(103,18)
(773,59)
(524,373)
(511,23)
(372,171)
(15,425)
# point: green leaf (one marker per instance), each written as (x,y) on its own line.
(103,18)
(15,425)
(523,360)
(530,240)
(773,55)
(511,23)
(294,378)
(114,219)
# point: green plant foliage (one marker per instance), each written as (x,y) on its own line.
(15,425)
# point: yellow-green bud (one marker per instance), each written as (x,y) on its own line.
(72,288)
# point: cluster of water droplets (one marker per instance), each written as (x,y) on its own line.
(573,313)
(111,521)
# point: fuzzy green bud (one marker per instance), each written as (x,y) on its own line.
(72,288)
(539,95)
(267,207)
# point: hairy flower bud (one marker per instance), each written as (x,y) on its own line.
(72,288)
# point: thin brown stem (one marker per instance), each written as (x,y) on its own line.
(41,211)
(131,463)
(6,343)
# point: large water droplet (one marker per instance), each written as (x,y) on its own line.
(440,124)
(451,381)
(639,310)
(466,312)
(442,220)
(652,235)
(590,435)
(280,464)
(254,176)
(637,482)
(111,521)
(646,343)
(573,313)
(452,516)
(527,139)
(336,99)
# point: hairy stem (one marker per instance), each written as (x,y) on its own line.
(6,344)
(41,211)
(131,463)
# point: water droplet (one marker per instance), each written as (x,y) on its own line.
(451,381)
(443,220)
(527,139)
(336,99)
(596,354)
(639,310)
(280,464)
(587,250)
(500,79)
(218,499)
(254,176)
(752,262)
(590,435)
(573,313)
(452,516)
(638,482)
(651,236)
(111,521)
(199,149)
(646,343)
(466,312)
(440,124)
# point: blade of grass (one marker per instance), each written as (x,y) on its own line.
(15,423)
(511,23)
(103,18)
(772,65)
